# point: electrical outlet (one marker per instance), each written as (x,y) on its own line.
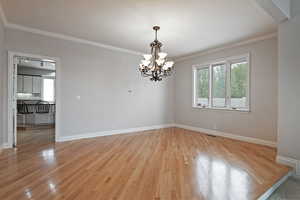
(215,126)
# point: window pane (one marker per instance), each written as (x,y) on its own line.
(48,90)
(239,84)
(202,87)
(219,85)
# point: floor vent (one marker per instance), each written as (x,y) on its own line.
(211,135)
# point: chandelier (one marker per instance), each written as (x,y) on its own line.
(155,65)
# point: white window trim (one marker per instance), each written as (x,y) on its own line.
(228,61)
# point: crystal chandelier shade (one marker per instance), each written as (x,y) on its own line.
(155,65)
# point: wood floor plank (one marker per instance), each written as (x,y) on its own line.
(164,164)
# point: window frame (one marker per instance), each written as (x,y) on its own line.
(228,62)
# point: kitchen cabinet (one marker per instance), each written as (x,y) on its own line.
(36,85)
(20,84)
(27,84)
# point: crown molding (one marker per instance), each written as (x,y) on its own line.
(61,36)
(224,47)
(114,48)
(278,10)
(69,38)
(2,15)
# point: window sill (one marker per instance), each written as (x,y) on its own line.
(247,110)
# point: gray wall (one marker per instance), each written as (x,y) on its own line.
(102,78)
(295,7)
(261,122)
(2,70)
(289,85)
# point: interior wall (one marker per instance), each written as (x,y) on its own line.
(261,122)
(289,85)
(295,8)
(2,70)
(101,89)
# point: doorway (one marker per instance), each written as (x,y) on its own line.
(32,114)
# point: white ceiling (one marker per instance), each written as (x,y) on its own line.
(187,26)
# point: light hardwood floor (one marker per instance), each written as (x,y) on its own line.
(165,164)
(36,135)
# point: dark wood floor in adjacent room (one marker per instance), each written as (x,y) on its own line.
(165,164)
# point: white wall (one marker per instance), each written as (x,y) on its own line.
(289,85)
(2,66)
(102,78)
(261,122)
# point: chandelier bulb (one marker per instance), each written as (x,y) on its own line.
(146,62)
(147,56)
(162,55)
(160,61)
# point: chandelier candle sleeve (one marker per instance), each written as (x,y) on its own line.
(155,65)
(147,56)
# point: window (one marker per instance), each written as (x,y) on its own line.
(203,87)
(219,85)
(49,89)
(239,84)
(222,85)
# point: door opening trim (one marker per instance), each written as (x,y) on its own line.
(11,112)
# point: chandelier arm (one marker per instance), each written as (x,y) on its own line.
(146,75)
(166,73)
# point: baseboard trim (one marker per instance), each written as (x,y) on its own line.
(6,146)
(270,191)
(228,135)
(290,162)
(111,132)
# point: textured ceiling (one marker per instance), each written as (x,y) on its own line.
(187,26)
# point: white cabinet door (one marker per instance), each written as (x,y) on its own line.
(20,84)
(27,84)
(36,85)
